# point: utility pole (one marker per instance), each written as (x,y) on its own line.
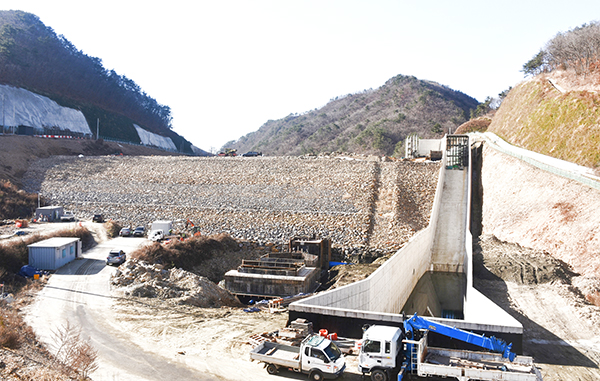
(97,128)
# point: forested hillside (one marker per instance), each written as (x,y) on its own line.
(372,121)
(33,57)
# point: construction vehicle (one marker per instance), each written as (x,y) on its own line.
(159,230)
(385,351)
(228,152)
(316,356)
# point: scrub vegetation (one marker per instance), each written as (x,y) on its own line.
(34,57)
(14,253)
(369,122)
(15,203)
(557,112)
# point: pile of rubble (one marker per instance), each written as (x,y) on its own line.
(141,279)
(296,332)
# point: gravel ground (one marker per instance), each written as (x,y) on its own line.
(561,327)
(263,199)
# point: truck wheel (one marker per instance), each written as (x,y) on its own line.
(272,369)
(316,375)
(379,375)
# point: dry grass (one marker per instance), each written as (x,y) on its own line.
(76,355)
(566,125)
(15,203)
(24,358)
(112,228)
(474,125)
(187,254)
(9,338)
(570,81)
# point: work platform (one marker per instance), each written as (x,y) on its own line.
(275,275)
(443,251)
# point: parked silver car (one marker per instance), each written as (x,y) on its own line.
(116,257)
(140,231)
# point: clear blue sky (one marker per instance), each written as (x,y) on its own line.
(225,67)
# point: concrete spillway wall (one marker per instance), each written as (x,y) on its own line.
(445,245)
(388,288)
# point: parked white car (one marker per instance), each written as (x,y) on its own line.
(67,217)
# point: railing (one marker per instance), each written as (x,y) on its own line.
(559,167)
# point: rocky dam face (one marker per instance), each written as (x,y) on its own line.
(356,201)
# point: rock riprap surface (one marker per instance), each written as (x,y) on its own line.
(264,199)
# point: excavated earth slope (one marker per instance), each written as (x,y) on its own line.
(542,211)
(538,259)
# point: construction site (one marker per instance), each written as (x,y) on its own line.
(406,224)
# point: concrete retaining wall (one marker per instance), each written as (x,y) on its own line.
(388,288)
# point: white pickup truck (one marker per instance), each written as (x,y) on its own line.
(317,356)
(67,217)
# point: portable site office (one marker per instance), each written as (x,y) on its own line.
(49,213)
(53,253)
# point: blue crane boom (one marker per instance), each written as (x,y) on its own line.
(492,343)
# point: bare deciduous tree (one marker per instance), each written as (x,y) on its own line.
(74,353)
(578,49)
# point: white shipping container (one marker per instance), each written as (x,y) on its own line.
(53,253)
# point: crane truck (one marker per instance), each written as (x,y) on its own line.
(385,351)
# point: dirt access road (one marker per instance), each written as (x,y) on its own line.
(148,338)
(79,293)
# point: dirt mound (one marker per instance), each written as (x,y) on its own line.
(141,279)
(512,262)
(209,256)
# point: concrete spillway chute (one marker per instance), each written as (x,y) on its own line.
(442,250)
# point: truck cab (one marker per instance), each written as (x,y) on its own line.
(316,356)
(321,357)
(380,352)
(67,217)
(156,235)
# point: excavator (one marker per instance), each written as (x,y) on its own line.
(228,152)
